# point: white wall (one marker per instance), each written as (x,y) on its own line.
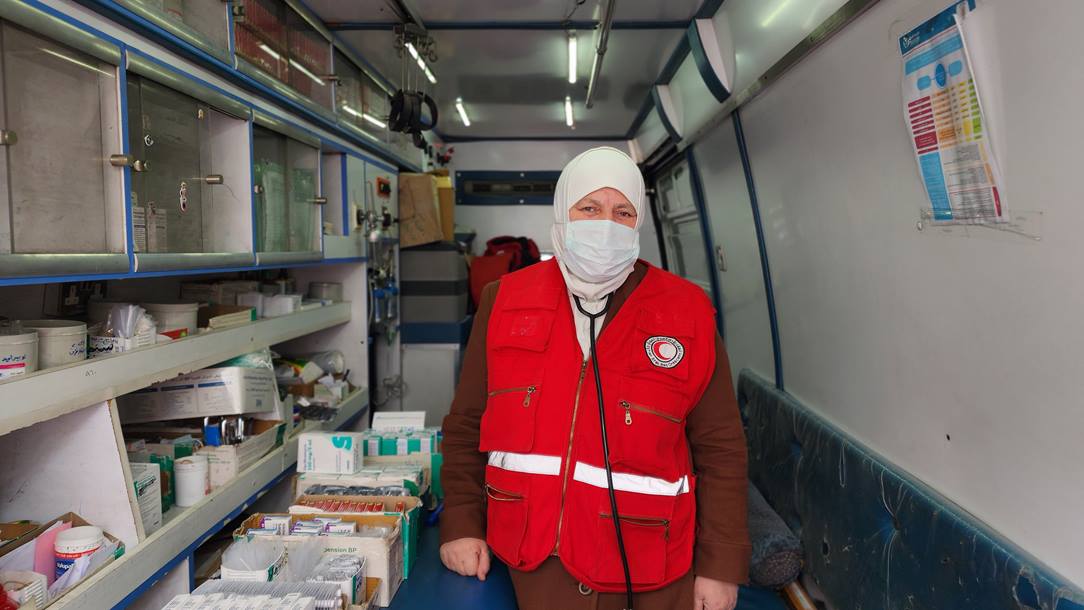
(907,338)
(532,221)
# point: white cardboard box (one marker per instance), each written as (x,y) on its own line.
(230,390)
(329,452)
(147,479)
(227,461)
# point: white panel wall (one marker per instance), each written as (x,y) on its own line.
(745,308)
(956,357)
(532,221)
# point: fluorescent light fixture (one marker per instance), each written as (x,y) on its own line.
(375,121)
(350,110)
(429,75)
(270,51)
(572,58)
(303,70)
(776,12)
(568,112)
(413,51)
(421,64)
(462,111)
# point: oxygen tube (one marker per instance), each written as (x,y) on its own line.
(606,446)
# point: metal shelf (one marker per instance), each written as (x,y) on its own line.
(48,394)
(186,529)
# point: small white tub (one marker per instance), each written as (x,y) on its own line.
(60,342)
(18,352)
(174,316)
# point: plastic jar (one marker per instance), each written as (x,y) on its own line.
(192,479)
(18,352)
(60,342)
(71,544)
(173,316)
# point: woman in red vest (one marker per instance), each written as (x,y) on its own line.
(526,472)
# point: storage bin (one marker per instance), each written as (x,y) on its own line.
(60,342)
(18,352)
(174,316)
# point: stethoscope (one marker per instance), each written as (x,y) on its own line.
(605,445)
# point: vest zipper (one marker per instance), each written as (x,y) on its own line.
(629,407)
(643,522)
(530,390)
(568,457)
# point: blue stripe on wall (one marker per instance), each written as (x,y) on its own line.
(709,242)
(769,292)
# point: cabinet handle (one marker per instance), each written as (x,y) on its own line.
(8,137)
(213,179)
(720,258)
(318,200)
(137,165)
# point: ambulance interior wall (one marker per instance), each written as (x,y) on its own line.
(532,221)
(953,353)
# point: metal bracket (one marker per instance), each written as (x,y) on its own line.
(213,179)
(8,137)
(720,259)
(319,200)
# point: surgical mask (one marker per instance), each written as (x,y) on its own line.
(599,250)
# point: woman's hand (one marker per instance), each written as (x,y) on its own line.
(711,594)
(466,557)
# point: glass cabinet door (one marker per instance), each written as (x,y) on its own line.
(286,174)
(260,37)
(200,22)
(167,133)
(60,126)
(310,60)
(682,232)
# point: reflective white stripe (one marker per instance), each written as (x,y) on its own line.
(526,462)
(592,475)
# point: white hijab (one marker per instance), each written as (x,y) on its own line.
(590,171)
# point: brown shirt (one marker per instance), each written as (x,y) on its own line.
(713,427)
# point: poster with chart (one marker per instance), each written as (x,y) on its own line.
(946,123)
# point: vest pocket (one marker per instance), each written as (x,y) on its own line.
(645,539)
(509,419)
(646,426)
(506,514)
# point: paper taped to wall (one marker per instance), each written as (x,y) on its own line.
(946,122)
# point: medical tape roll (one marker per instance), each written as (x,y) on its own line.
(191,476)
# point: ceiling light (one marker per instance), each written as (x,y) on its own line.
(270,51)
(572,58)
(351,110)
(375,121)
(568,112)
(462,111)
(413,51)
(429,75)
(303,70)
(774,14)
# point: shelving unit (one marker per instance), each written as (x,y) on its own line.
(185,529)
(48,394)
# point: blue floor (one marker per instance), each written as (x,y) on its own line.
(432,586)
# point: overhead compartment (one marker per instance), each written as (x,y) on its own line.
(286,176)
(202,23)
(61,200)
(651,135)
(189,152)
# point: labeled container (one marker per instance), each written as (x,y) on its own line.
(174,316)
(18,352)
(192,475)
(332,291)
(60,342)
(71,544)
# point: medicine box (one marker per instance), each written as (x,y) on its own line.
(147,480)
(232,390)
(329,452)
(383,555)
(226,461)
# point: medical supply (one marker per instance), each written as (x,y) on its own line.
(60,342)
(173,316)
(279,523)
(192,479)
(252,299)
(124,328)
(26,588)
(331,291)
(347,571)
(147,480)
(281,305)
(71,544)
(219,594)
(18,351)
(329,452)
(258,559)
(207,392)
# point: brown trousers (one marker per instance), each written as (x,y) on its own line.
(550,587)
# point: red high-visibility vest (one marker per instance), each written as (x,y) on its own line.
(546,480)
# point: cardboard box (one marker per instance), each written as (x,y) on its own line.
(329,452)
(227,461)
(411,518)
(147,480)
(372,589)
(419,210)
(446,197)
(231,390)
(416,481)
(383,556)
(13,531)
(225,316)
(76,521)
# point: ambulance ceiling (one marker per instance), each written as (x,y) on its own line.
(510,72)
